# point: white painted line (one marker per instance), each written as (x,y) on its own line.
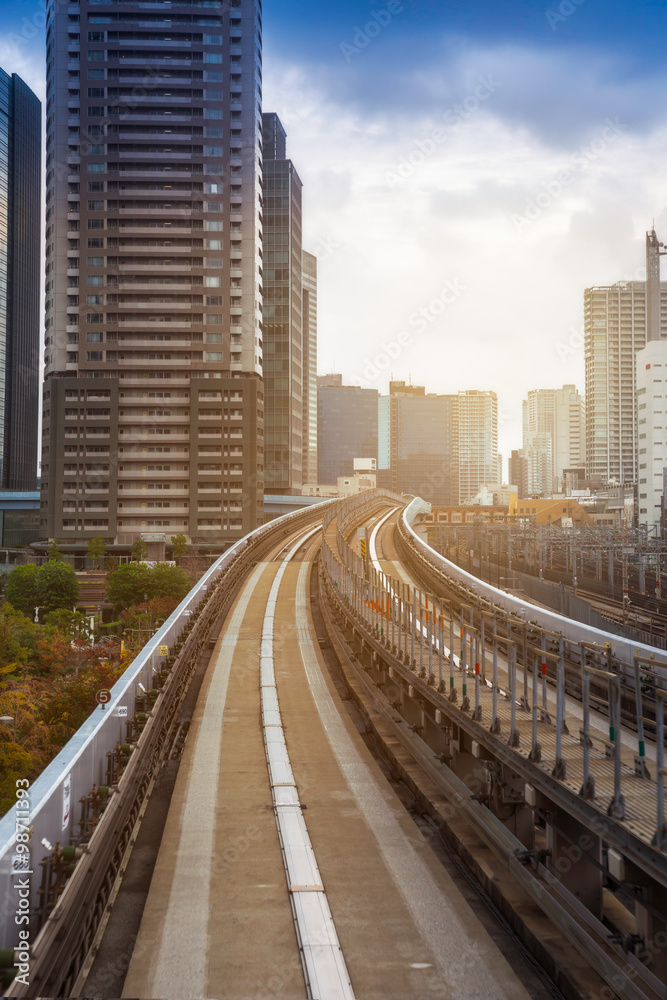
(324,965)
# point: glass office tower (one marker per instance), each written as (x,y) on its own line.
(153,401)
(20,279)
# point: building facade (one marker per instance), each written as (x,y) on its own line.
(615,327)
(20,281)
(153,399)
(418,443)
(309,367)
(347,427)
(554,438)
(477,434)
(285,357)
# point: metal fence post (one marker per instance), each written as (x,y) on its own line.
(495,724)
(660,838)
(535,748)
(560,770)
(587,790)
(515,736)
(452,688)
(465,700)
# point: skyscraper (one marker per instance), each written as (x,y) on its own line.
(615,327)
(20,259)
(347,427)
(477,418)
(309,368)
(286,357)
(651,376)
(418,443)
(153,401)
(553,437)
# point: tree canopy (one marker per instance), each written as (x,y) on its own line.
(57,586)
(21,589)
(135,583)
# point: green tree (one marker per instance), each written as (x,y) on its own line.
(169,581)
(96,550)
(57,586)
(54,552)
(72,625)
(139,550)
(21,589)
(179,546)
(128,584)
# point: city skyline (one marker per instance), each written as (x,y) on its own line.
(349,130)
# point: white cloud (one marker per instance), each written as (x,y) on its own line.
(454,217)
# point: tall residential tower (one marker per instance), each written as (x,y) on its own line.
(153,401)
(285,356)
(20,264)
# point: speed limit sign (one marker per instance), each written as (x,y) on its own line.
(103,697)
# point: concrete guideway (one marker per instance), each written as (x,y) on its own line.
(218,920)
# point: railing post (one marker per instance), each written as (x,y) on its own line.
(495,724)
(587,790)
(452,687)
(441,654)
(477,714)
(421,637)
(640,760)
(560,770)
(429,629)
(515,736)
(465,700)
(535,748)
(617,805)
(413,617)
(660,838)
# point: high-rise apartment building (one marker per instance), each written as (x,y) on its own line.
(417,443)
(153,400)
(651,374)
(615,325)
(518,473)
(347,427)
(285,353)
(553,437)
(309,281)
(477,418)
(20,281)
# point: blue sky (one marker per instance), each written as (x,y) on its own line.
(455,232)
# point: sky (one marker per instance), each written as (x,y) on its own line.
(468,168)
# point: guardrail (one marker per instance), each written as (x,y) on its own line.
(45,818)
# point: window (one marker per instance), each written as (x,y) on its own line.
(211,282)
(94,317)
(94,338)
(95,279)
(213,318)
(96,91)
(95,186)
(213,113)
(210,57)
(96,223)
(212,39)
(212,76)
(95,300)
(95,206)
(95,112)
(212,225)
(95,74)
(213,244)
(96,243)
(95,55)
(94,355)
(96,262)
(214,300)
(213,338)
(213,150)
(96,149)
(95,168)
(214,356)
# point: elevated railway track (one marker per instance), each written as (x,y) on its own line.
(288,863)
